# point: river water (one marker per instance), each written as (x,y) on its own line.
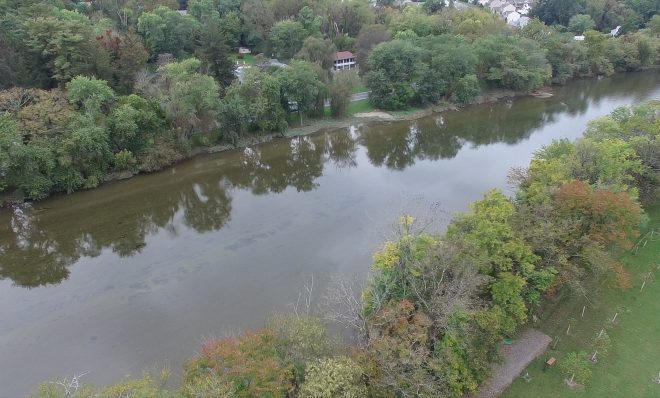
(138,273)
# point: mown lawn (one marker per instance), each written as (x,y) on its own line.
(359,88)
(634,357)
(247,58)
(359,106)
(353,108)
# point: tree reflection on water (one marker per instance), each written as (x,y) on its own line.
(38,244)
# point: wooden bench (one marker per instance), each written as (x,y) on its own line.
(552,361)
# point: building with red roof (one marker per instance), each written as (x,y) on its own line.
(343,60)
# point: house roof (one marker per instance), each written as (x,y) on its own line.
(513,17)
(342,55)
(509,8)
(496,4)
(523,21)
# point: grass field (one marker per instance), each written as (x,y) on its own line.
(247,58)
(633,360)
(359,106)
(360,88)
(353,108)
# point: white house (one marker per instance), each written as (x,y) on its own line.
(343,60)
(508,9)
(512,18)
(615,31)
(496,6)
(522,22)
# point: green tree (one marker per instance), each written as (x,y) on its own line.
(394,69)
(319,51)
(341,90)
(369,37)
(246,366)
(299,340)
(416,20)
(190,99)
(310,21)
(515,63)
(166,31)
(26,167)
(473,22)
(507,294)
(449,59)
(580,23)
(258,19)
(84,155)
(63,39)
(558,11)
(214,49)
(433,6)
(350,16)
(596,43)
(135,123)
(654,25)
(337,377)
(127,56)
(90,95)
(300,86)
(286,38)
(253,104)
(466,89)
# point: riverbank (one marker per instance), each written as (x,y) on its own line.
(327,123)
(369,115)
(364,115)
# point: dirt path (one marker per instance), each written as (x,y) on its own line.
(516,357)
(375,115)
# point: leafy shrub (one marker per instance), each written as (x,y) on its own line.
(161,154)
(124,160)
(247,366)
(333,378)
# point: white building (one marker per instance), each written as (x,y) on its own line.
(496,6)
(512,18)
(508,9)
(522,22)
(343,60)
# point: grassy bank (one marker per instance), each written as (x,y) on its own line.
(632,361)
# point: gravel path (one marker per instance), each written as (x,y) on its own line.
(516,357)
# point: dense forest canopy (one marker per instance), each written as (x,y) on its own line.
(91,90)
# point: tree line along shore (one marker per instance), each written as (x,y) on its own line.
(90,90)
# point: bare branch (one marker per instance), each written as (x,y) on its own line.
(342,304)
(70,386)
